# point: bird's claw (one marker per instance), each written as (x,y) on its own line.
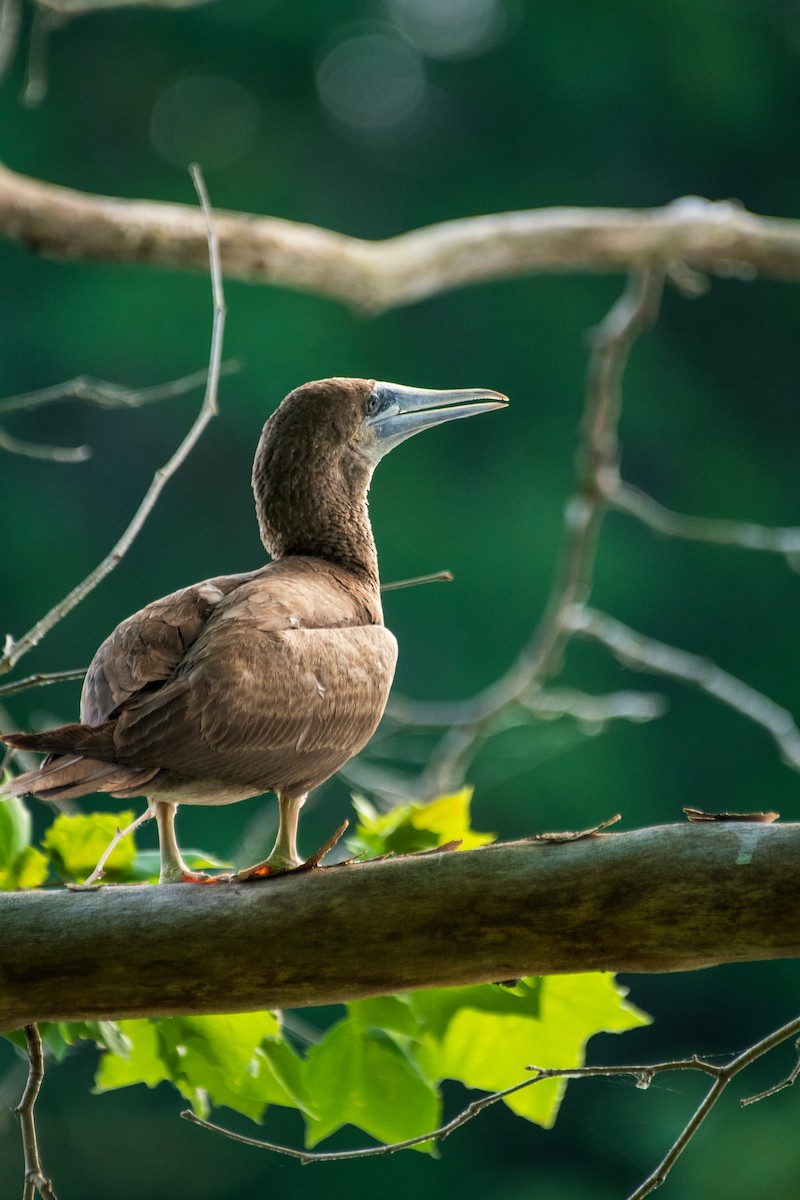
(269,868)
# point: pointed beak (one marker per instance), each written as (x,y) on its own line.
(398,412)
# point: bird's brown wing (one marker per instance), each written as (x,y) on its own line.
(148,646)
(251,710)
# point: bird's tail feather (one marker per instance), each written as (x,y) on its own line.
(80,762)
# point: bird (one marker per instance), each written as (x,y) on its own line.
(269,680)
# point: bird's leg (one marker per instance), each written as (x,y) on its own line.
(173,868)
(283,856)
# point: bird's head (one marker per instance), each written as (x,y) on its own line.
(320,447)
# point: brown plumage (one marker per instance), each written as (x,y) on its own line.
(269,680)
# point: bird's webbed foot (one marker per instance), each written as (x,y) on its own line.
(281,863)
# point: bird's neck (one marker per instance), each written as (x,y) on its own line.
(305,517)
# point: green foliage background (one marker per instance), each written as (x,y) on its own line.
(615,104)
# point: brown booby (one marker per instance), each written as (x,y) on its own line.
(268,681)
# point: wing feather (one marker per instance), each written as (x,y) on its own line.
(276,711)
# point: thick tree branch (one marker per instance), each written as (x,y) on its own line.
(675,897)
(718,237)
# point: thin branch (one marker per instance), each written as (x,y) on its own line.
(44,677)
(65,454)
(35,1178)
(643,1074)
(719,237)
(437,577)
(10,21)
(636,650)
(307,1156)
(45,22)
(103,394)
(83,6)
(595,710)
(119,835)
(16,649)
(789,1081)
(745,534)
(726,1074)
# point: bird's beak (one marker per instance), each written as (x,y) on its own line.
(398,412)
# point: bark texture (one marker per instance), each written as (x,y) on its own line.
(670,898)
(719,237)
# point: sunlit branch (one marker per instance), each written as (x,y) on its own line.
(16,649)
(634,649)
(684,237)
(745,534)
(595,710)
(35,1178)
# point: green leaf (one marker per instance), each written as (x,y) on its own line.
(410,828)
(362,1076)
(436,1007)
(138,1059)
(59,1036)
(15,830)
(28,870)
(384,1012)
(21,865)
(239,1061)
(75,845)
(487,1048)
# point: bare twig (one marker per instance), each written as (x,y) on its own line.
(65,454)
(307,1156)
(44,677)
(789,1081)
(647,654)
(10,20)
(35,1178)
(103,394)
(98,872)
(745,534)
(16,649)
(724,1076)
(84,6)
(44,23)
(437,577)
(595,710)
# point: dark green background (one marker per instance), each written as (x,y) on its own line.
(621,104)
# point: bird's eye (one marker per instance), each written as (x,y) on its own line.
(373,404)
